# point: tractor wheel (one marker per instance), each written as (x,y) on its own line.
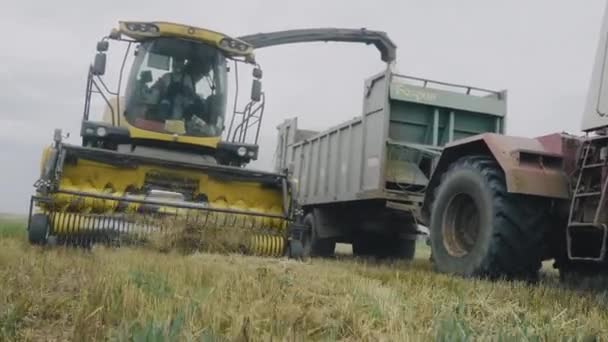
(584,276)
(315,246)
(368,245)
(38,229)
(478,229)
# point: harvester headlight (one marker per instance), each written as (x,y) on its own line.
(251,154)
(241,151)
(101,131)
(142,27)
(232,44)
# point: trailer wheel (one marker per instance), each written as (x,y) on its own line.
(367,245)
(313,245)
(406,249)
(38,229)
(479,229)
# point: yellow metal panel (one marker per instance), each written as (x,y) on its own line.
(94,177)
(168,29)
(138,133)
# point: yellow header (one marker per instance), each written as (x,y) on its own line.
(144,30)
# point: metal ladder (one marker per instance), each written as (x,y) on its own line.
(583,193)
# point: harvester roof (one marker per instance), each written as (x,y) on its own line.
(140,31)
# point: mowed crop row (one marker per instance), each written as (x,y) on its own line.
(139,294)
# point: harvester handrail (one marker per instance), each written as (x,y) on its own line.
(426,82)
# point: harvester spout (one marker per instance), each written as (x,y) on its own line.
(380,39)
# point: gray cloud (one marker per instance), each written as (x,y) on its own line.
(541,51)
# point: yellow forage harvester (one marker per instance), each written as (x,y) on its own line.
(155,167)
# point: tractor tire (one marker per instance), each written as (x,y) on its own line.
(313,245)
(38,229)
(584,276)
(382,247)
(478,229)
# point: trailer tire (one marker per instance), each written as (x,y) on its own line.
(38,229)
(372,245)
(406,249)
(315,246)
(478,229)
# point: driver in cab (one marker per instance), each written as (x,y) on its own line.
(179,100)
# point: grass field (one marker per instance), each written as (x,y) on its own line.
(140,295)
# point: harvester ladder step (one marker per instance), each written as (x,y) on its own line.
(585,184)
(595,165)
(588,194)
(569,241)
(574,203)
(601,202)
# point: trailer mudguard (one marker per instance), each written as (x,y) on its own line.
(530,167)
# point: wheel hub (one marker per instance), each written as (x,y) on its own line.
(460,225)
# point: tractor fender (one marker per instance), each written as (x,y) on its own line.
(530,167)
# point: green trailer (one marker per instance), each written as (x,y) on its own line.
(363,181)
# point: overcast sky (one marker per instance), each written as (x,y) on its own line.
(541,51)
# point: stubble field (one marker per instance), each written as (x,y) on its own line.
(135,294)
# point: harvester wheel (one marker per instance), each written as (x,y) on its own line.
(315,246)
(38,229)
(479,229)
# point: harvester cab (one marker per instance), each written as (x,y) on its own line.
(176,94)
(161,163)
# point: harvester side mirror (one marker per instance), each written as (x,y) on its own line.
(256,91)
(257,73)
(99,64)
(102,46)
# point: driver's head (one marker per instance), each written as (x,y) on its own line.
(198,68)
(178,64)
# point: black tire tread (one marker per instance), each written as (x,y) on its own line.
(318,247)
(37,229)
(384,247)
(518,236)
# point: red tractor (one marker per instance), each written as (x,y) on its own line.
(497,206)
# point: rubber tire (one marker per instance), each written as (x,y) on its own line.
(38,229)
(315,246)
(580,274)
(406,249)
(510,240)
(373,245)
(295,250)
